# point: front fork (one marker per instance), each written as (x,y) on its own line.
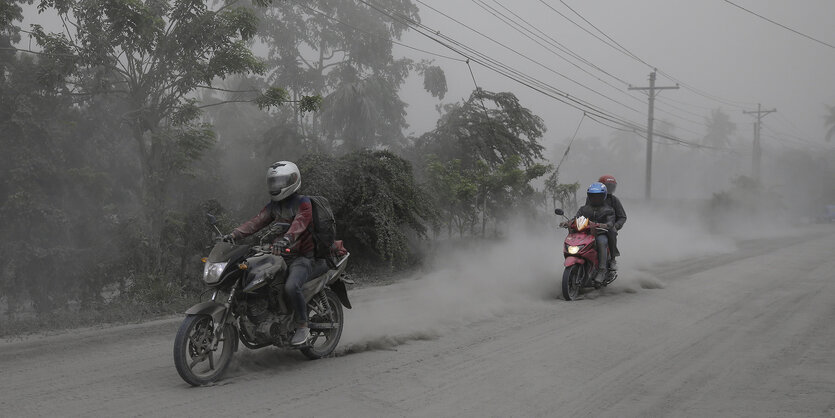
(218,329)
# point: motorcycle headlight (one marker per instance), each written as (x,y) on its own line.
(573,249)
(212,272)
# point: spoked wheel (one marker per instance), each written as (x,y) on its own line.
(326,320)
(197,363)
(572,281)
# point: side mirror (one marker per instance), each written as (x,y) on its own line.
(559,212)
(211,219)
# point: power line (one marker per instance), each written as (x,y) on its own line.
(498,66)
(547,68)
(565,154)
(512,73)
(561,46)
(781,25)
(513,24)
(620,48)
(487,61)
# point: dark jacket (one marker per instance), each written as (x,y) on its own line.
(620,214)
(296,210)
(601,214)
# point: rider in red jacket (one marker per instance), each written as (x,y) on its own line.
(287,206)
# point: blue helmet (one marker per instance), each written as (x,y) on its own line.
(596,194)
(598,187)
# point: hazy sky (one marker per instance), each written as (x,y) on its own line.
(707,44)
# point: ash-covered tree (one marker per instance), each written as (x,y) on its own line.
(343,51)
(154,56)
(494,143)
(375,200)
(720,129)
(489,127)
(456,193)
(565,194)
(60,180)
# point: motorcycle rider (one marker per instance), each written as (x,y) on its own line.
(283,180)
(596,210)
(620,218)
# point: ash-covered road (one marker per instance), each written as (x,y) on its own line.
(749,332)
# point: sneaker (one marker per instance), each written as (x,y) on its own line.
(601,276)
(301,336)
(613,264)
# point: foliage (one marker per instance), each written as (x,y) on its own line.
(719,129)
(342,51)
(152,57)
(464,195)
(59,182)
(434,81)
(566,194)
(374,198)
(472,131)
(455,192)
(480,160)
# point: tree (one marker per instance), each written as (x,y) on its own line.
(342,51)
(720,128)
(374,198)
(489,150)
(58,183)
(153,56)
(455,194)
(472,131)
(507,190)
(566,194)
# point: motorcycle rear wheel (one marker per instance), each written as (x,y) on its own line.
(193,350)
(572,281)
(325,325)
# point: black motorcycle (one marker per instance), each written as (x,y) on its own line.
(248,304)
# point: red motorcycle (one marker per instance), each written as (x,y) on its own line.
(581,261)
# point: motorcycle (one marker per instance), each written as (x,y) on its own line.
(248,305)
(581,261)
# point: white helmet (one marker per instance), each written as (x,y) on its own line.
(283,179)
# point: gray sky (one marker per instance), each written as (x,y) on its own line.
(708,44)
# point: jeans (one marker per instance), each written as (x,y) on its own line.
(602,250)
(300,271)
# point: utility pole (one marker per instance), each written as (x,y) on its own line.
(652,89)
(757,154)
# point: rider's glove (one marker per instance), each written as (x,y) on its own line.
(228,238)
(281,246)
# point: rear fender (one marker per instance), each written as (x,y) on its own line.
(338,287)
(571,260)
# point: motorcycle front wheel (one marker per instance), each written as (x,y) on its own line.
(196,362)
(572,281)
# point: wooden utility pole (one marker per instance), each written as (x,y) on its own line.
(652,89)
(757,154)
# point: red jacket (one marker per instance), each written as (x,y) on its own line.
(296,210)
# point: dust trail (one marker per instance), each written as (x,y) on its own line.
(499,277)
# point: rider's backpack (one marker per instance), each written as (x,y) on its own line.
(323,229)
